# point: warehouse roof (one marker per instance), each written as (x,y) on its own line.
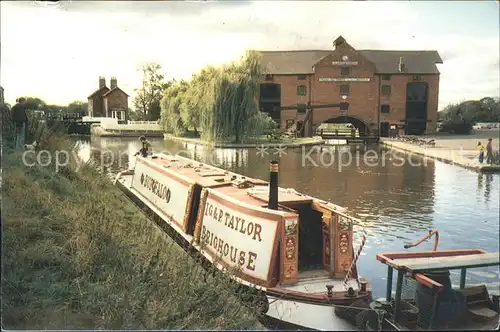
(386,62)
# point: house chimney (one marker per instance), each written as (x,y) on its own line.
(102,82)
(113,83)
(401,64)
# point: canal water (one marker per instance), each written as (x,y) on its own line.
(397,197)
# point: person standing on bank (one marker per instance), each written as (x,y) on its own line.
(480,148)
(20,119)
(489,152)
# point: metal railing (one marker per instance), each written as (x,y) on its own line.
(347,132)
(144,122)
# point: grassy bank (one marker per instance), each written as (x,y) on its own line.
(78,255)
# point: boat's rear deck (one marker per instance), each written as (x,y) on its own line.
(318,284)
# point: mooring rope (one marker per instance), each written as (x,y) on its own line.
(358,253)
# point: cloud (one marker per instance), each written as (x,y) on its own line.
(70,46)
(183,8)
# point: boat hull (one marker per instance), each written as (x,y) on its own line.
(299,315)
(288,305)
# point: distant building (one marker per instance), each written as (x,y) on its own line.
(378,90)
(1,95)
(109,102)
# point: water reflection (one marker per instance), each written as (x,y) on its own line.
(487,188)
(117,154)
(486,180)
(397,199)
(480,177)
(224,158)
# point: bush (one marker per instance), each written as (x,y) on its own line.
(456,128)
(7,125)
(458,118)
(78,255)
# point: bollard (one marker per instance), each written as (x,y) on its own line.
(273,186)
(363,286)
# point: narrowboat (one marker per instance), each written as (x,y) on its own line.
(296,250)
(424,298)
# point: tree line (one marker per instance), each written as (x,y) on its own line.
(37,104)
(460,117)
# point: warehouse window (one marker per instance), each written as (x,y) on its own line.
(301,77)
(301,108)
(301,90)
(385,90)
(344,90)
(268,77)
(386,77)
(345,71)
(385,108)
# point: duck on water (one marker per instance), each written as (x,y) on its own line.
(295,250)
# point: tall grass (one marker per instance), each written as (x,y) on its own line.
(77,254)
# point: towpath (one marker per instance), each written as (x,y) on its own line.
(453,149)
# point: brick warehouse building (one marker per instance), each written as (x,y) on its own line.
(375,90)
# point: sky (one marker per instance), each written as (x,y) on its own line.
(58,52)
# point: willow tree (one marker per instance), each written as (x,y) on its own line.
(220,102)
(196,104)
(235,89)
(171,105)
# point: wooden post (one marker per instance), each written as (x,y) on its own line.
(434,310)
(388,294)
(463,274)
(397,305)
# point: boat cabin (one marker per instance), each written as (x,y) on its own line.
(228,215)
(424,295)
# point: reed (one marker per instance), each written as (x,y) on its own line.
(219,102)
(78,255)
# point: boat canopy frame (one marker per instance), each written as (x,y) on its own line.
(415,264)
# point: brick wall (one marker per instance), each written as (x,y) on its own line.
(90,107)
(362,96)
(289,96)
(116,100)
(397,99)
(97,105)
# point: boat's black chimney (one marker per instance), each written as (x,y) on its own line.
(273,186)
